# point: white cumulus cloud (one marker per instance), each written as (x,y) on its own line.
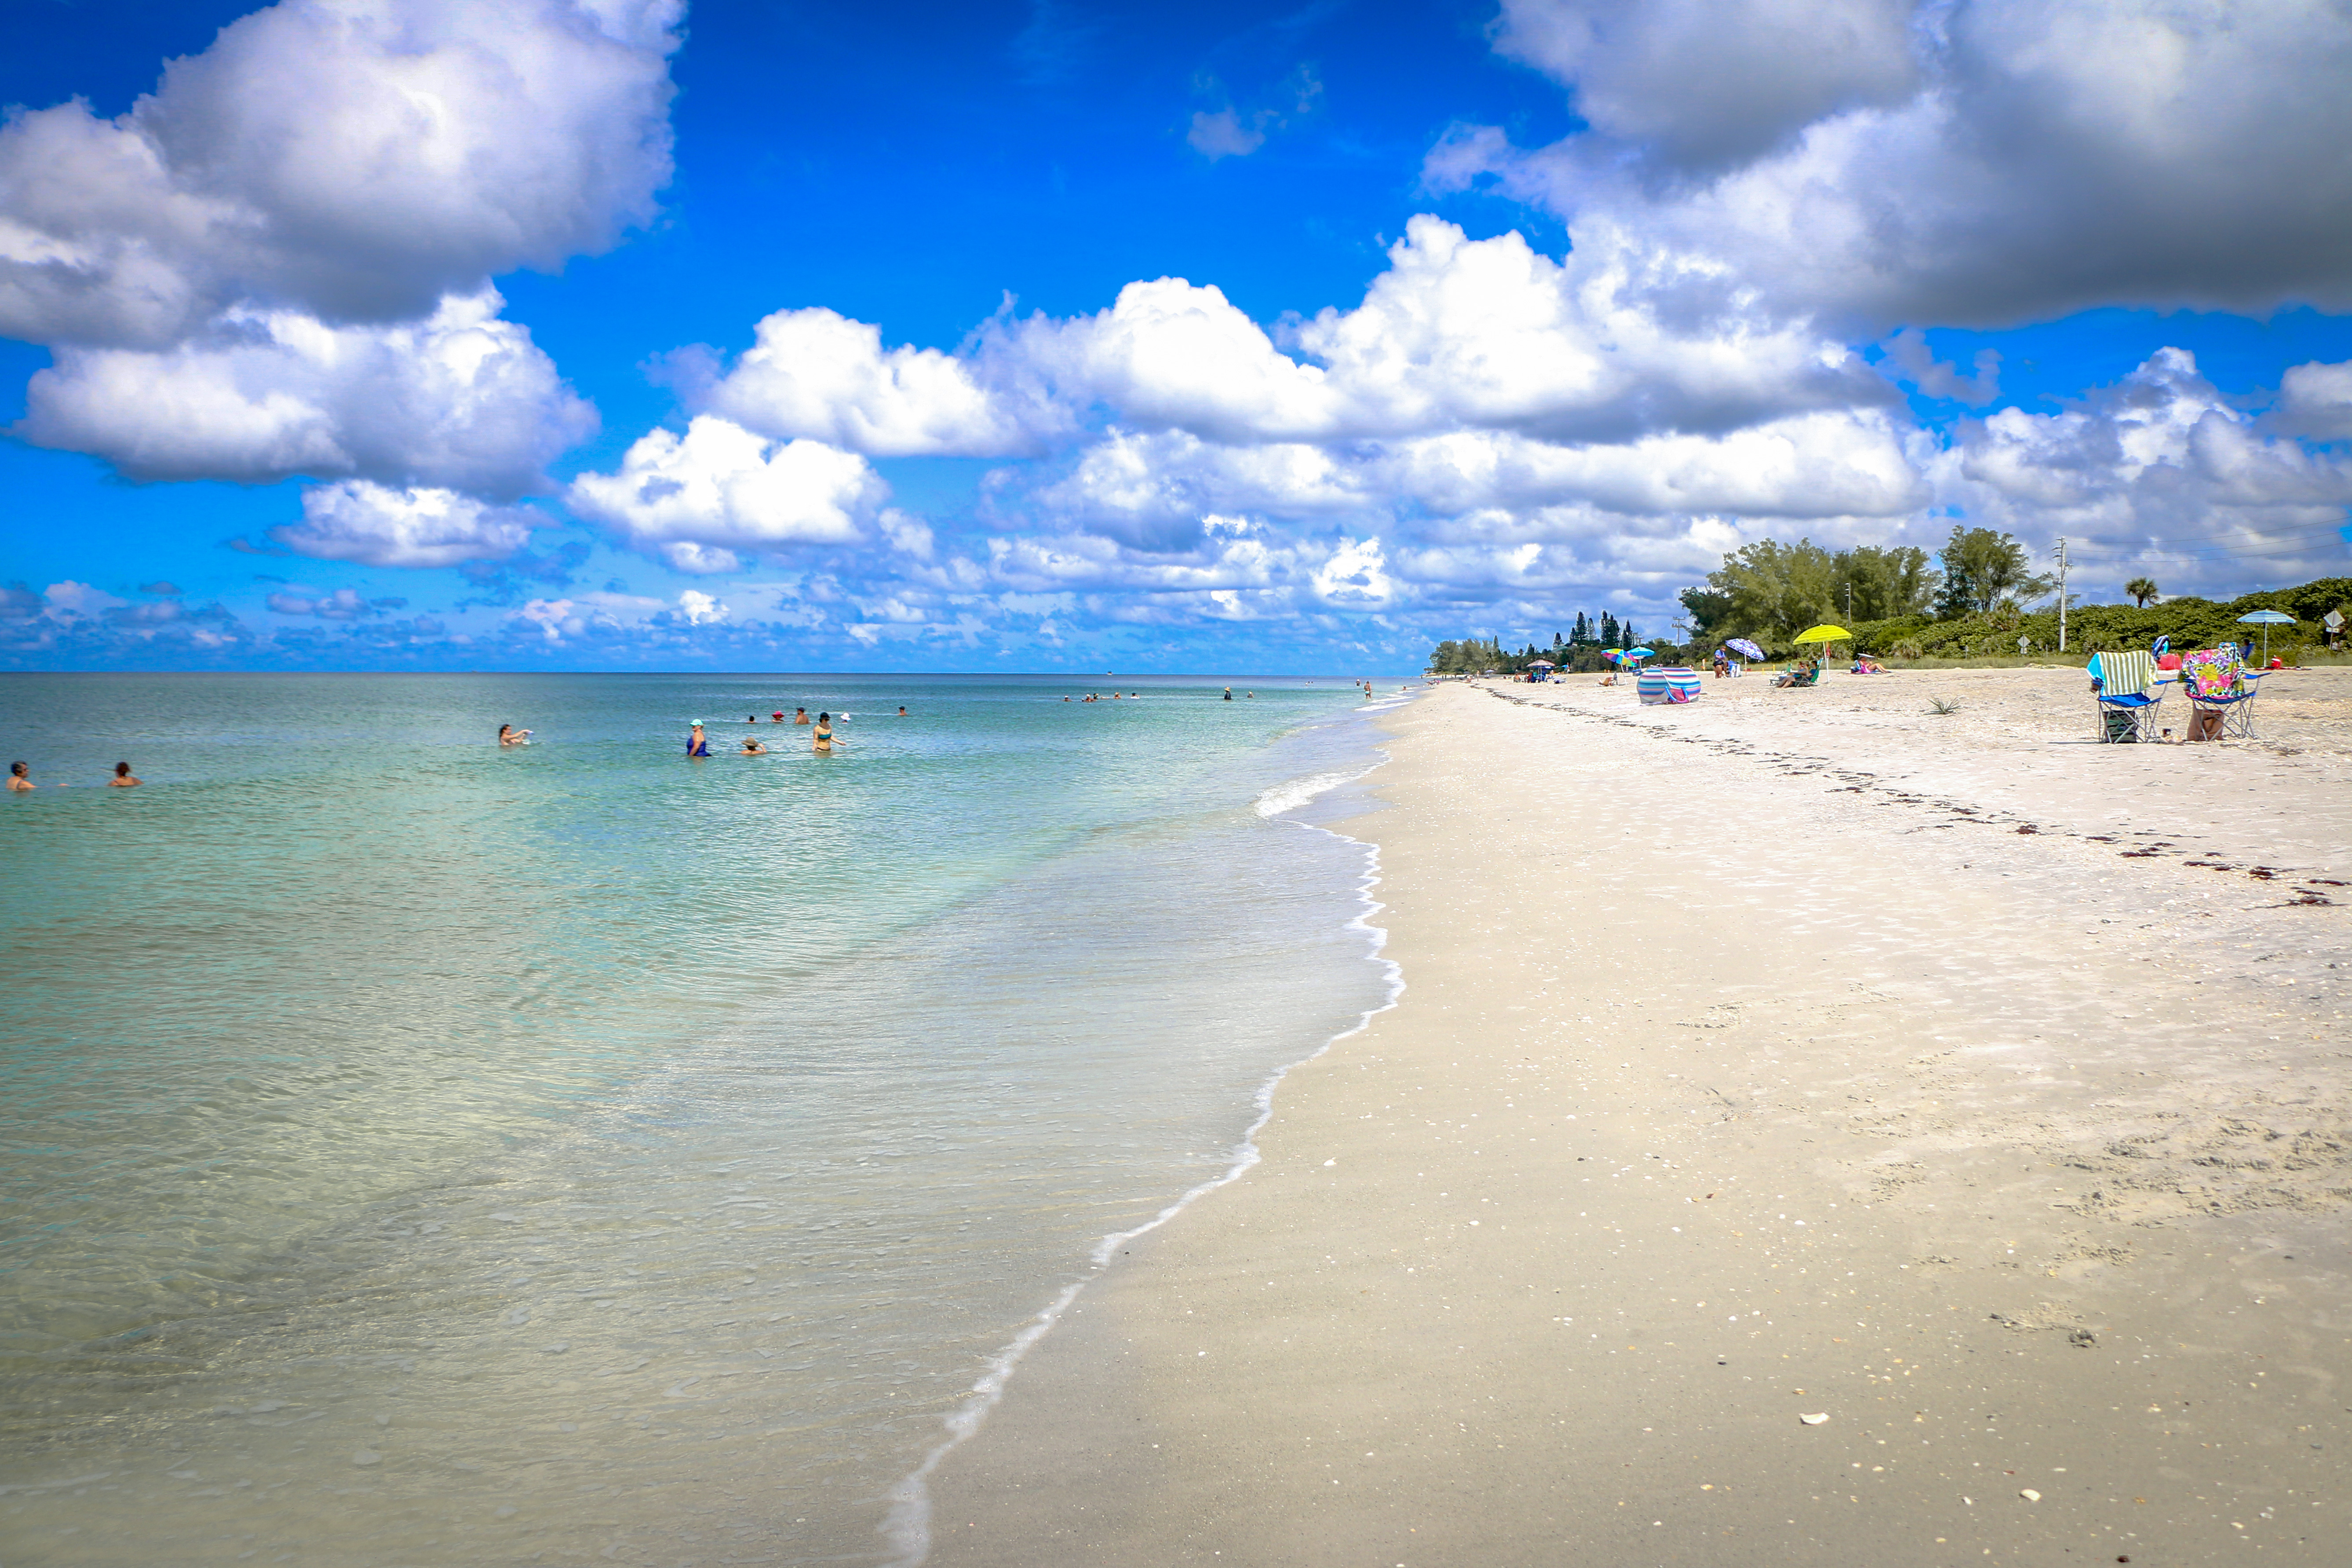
(1931,163)
(699,499)
(818,374)
(278,262)
(461,399)
(381,525)
(354,159)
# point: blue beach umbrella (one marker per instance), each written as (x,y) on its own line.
(1746,646)
(1640,653)
(2266,619)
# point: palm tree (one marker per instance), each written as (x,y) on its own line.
(2142,589)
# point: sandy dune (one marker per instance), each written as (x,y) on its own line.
(1981,1090)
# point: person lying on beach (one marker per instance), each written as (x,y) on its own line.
(510,736)
(751,747)
(122,779)
(19,777)
(697,745)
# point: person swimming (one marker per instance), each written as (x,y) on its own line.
(1229,694)
(697,744)
(19,777)
(902,712)
(822,736)
(510,736)
(800,716)
(122,779)
(779,717)
(751,747)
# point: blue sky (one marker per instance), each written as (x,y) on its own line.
(617,333)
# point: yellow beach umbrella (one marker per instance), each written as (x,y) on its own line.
(1824,634)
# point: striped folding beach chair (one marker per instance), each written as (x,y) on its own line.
(2126,695)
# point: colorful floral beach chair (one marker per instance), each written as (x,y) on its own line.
(2126,695)
(2217,681)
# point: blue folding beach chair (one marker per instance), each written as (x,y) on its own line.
(2126,695)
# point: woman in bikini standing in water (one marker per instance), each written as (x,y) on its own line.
(823,735)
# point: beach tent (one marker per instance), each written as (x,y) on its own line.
(1656,686)
(2266,619)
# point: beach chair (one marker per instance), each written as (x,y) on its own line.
(2217,683)
(1800,675)
(2125,696)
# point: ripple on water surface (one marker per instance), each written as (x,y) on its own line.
(420,1152)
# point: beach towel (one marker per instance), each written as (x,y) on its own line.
(2214,674)
(2124,674)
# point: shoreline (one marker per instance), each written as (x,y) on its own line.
(907,1525)
(1699,1118)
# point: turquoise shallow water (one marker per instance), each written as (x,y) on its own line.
(413,1152)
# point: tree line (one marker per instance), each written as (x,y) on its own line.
(1582,647)
(1771,591)
(1975,596)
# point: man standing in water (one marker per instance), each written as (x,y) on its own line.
(17,781)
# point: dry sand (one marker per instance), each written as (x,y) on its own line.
(1785,1055)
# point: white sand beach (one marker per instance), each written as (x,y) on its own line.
(1815,1129)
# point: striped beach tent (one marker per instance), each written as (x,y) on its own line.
(1668,685)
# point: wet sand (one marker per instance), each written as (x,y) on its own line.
(1978,1090)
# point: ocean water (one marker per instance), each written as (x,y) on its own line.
(417,1153)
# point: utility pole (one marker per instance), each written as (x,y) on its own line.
(1849,604)
(2062,593)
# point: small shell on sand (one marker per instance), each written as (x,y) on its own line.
(1815,1419)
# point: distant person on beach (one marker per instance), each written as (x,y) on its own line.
(800,716)
(122,779)
(823,735)
(697,744)
(510,736)
(751,747)
(18,780)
